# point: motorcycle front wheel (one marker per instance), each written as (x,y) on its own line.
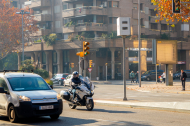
(72,106)
(90,105)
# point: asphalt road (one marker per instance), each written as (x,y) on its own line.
(115,92)
(107,116)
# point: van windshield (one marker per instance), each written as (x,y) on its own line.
(28,84)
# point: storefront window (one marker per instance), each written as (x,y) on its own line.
(133,53)
(149,53)
(54,57)
(118,56)
(43,58)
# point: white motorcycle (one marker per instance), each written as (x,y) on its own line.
(84,94)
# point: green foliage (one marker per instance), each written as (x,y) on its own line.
(28,66)
(69,24)
(43,73)
(113,35)
(164,36)
(105,36)
(88,35)
(10,62)
(50,39)
(71,38)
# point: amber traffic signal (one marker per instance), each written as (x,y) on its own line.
(90,63)
(81,54)
(86,48)
(176,4)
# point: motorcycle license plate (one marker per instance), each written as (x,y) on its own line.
(46,107)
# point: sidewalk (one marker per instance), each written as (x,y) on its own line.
(162,88)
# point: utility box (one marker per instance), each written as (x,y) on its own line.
(123,26)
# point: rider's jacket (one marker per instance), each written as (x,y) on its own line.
(75,82)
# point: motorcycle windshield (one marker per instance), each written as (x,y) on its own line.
(86,82)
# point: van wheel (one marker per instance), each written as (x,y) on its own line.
(148,79)
(54,117)
(12,114)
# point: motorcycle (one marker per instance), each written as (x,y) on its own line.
(84,94)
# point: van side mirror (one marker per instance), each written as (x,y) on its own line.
(2,90)
(51,86)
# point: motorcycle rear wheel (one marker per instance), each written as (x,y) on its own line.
(72,106)
(90,105)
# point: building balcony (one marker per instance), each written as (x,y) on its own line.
(42,17)
(86,10)
(91,27)
(46,31)
(86,27)
(38,3)
(38,33)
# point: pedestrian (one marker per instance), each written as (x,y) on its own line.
(137,77)
(132,76)
(164,76)
(183,79)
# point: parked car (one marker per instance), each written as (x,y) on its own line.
(151,75)
(59,78)
(176,75)
(67,80)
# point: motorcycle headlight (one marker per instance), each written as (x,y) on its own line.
(58,96)
(24,98)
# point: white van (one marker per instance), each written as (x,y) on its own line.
(27,95)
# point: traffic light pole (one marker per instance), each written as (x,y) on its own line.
(124,73)
(84,71)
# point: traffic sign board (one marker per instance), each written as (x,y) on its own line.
(89,69)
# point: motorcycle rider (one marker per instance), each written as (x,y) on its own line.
(75,82)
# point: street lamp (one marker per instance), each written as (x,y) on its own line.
(22,12)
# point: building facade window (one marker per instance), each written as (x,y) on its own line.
(141,6)
(43,58)
(154,26)
(152,12)
(14,3)
(65,6)
(164,27)
(54,57)
(113,4)
(57,9)
(149,53)
(57,24)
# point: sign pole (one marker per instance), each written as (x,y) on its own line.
(84,71)
(139,54)
(156,74)
(106,73)
(124,73)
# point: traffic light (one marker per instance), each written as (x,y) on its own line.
(90,63)
(81,54)
(86,48)
(176,6)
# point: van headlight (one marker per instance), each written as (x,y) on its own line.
(24,98)
(58,96)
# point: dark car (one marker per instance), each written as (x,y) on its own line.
(151,75)
(59,78)
(176,75)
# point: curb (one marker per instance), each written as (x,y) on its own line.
(175,106)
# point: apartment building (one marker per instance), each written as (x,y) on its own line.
(92,20)
(18,3)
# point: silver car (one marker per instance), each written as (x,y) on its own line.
(67,80)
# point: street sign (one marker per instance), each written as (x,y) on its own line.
(89,69)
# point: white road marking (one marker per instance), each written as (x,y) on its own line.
(105,120)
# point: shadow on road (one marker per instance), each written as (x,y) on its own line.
(106,111)
(46,121)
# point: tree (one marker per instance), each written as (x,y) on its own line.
(11,27)
(50,39)
(28,66)
(164,9)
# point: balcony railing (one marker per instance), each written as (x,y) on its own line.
(85,10)
(42,17)
(38,3)
(87,26)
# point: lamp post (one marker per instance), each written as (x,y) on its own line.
(139,54)
(22,12)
